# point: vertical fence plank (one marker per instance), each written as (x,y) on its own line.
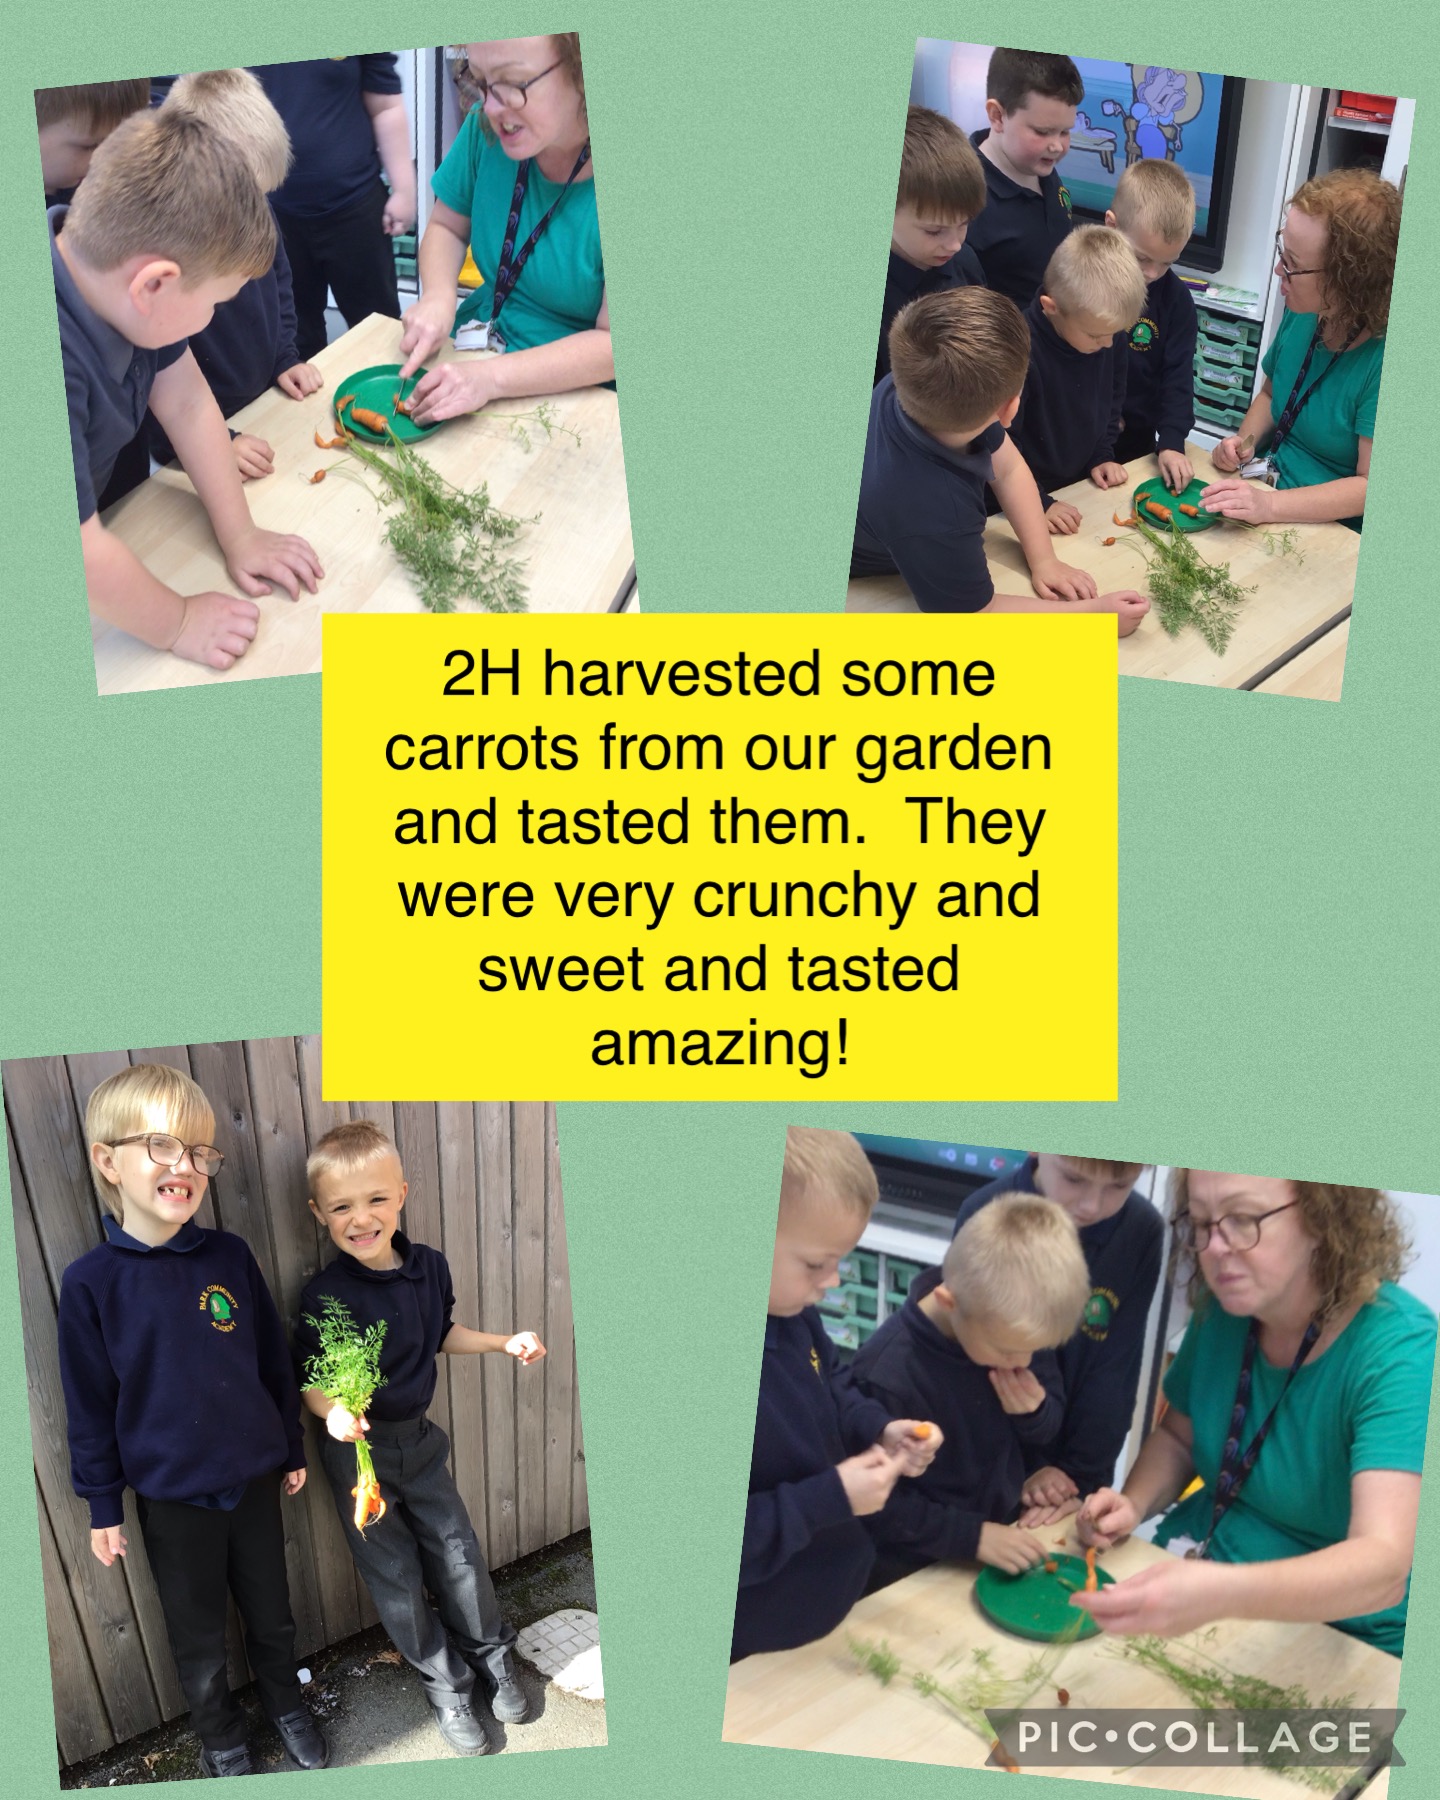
(52,1153)
(415,1137)
(459,1217)
(497,1313)
(559,1364)
(81,1727)
(528,1193)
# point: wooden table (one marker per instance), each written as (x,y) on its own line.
(1317,672)
(579,554)
(818,1697)
(1294,600)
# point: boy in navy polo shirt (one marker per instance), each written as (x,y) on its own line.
(1068,419)
(178,1384)
(73,122)
(1121,1236)
(1031,109)
(824,1455)
(168,223)
(425,1539)
(1154,211)
(942,187)
(936,443)
(971,1349)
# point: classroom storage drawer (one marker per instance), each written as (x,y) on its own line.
(851,1302)
(1228,356)
(1228,419)
(1232,331)
(862,1266)
(849,1334)
(898,1276)
(1222,382)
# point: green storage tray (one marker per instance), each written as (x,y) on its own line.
(898,1276)
(851,1302)
(1225,382)
(1234,331)
(1228,356)
(861,1266)
(1214,415)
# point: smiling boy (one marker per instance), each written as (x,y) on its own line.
(1031,106)
(425,1539)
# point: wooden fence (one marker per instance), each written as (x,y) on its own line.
(484,1188)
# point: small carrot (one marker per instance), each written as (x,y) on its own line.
(335,443)
(1190,512)
(402,406)
(1061,1542)
(343,401)
(1002,1756)
(1107,542)
(922,1430)
(1115,519)
(372,421)
(319,475)
(1063,1696)
(1051,1567)
(1157,511)
(1092,1579)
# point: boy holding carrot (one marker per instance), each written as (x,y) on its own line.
(178,1384)
(970,1349)
(825,1456)
(407,1527)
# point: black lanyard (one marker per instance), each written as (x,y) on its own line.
(509,271)
(1235,1466)
(1285,423)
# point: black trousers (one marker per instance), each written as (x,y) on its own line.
(347,253)
(424,1541)
(196,1553)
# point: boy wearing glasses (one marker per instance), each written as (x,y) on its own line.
(178,1384)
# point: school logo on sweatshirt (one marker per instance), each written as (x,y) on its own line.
(221,1305)
(1143,334)
(1099,1313)
(1065,200)
(815,1361)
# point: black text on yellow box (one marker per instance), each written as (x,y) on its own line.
(726,858)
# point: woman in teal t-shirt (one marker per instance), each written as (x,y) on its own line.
(1315,412)
(1300,1329)
(528,135)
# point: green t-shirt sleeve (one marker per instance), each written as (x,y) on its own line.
(1181,1372)
(453,183)
(1369,398)
(1392,1399)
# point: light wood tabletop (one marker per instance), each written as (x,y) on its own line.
(819,1697)
(578,553)
(1317,672)
(1296,595)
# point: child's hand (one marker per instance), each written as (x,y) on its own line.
(1008,1547)
(260,561)
(1018,1390)
(1176,469)
(1049,1494)
(525,1347)
(1109,474)
(292,1481)
(1055,580)
(914,1441)
(253,457)
(1250,501)
(107,1543)
(299,380)
(343,1426)
(1105,1518)
(1128,606)
(217,630)
(1062,519)
(868,1478)
(399,214)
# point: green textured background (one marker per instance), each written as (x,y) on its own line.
(160,857)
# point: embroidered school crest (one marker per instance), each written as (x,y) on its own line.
(1143,334)
(221,1306)
(1065,200)
(814,1359)
(1099,1313)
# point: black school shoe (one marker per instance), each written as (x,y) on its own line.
(303,1739)
(226,1762)
(508,1700)
(460,1728)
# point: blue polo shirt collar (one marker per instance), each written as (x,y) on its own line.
(1001,185)
(409,1269)
(188,1237)
(972,458)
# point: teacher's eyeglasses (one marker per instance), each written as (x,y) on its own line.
(508,93)
(169,1152)
(1236,1231)
(1283,266)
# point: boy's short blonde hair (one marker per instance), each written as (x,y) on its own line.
(1155,195)
(1018,1264)
(347,1147)
(232,102)
(94,106)
(1094,272)
(146,1097)
(959,355)
(940,174)
(827,1169)
(164,184)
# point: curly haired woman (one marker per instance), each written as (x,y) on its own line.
(1335,257)
(1299,1397)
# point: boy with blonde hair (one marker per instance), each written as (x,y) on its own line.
(1122,1237)
(937,443)
(1069,414)
(249,345)
(1154,211)
(168,223)
(968,1350)
(178,1384)
(824,1455)
(942,188)
(425,1538)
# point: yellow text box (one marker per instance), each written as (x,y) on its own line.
(725,858)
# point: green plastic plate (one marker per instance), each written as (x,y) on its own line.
(1156,489)
(374,390)
(1036,1604)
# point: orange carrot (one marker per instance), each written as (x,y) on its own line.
(1115,519)
(319,475)
(1002,1756)
(922,1430)
(1190,512)
(372,421)
(1156,510)
(343,401)
(1092,1580)
(1107,542)
(1063,1696)
(1051,1568)
(402,406)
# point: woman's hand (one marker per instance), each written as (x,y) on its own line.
(426,327)
(1232,453)
(1253,502)
(1055,580)
(1165,1600)
(450,390)
(1105,1518)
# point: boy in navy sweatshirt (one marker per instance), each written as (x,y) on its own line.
(425,1538)
(1069,414)
(824,1455)
(178,1384)
(1154,211)
(942,188)
(969,1349)
(1031,102)
(1121,1236)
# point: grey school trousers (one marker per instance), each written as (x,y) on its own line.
(425,1540)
